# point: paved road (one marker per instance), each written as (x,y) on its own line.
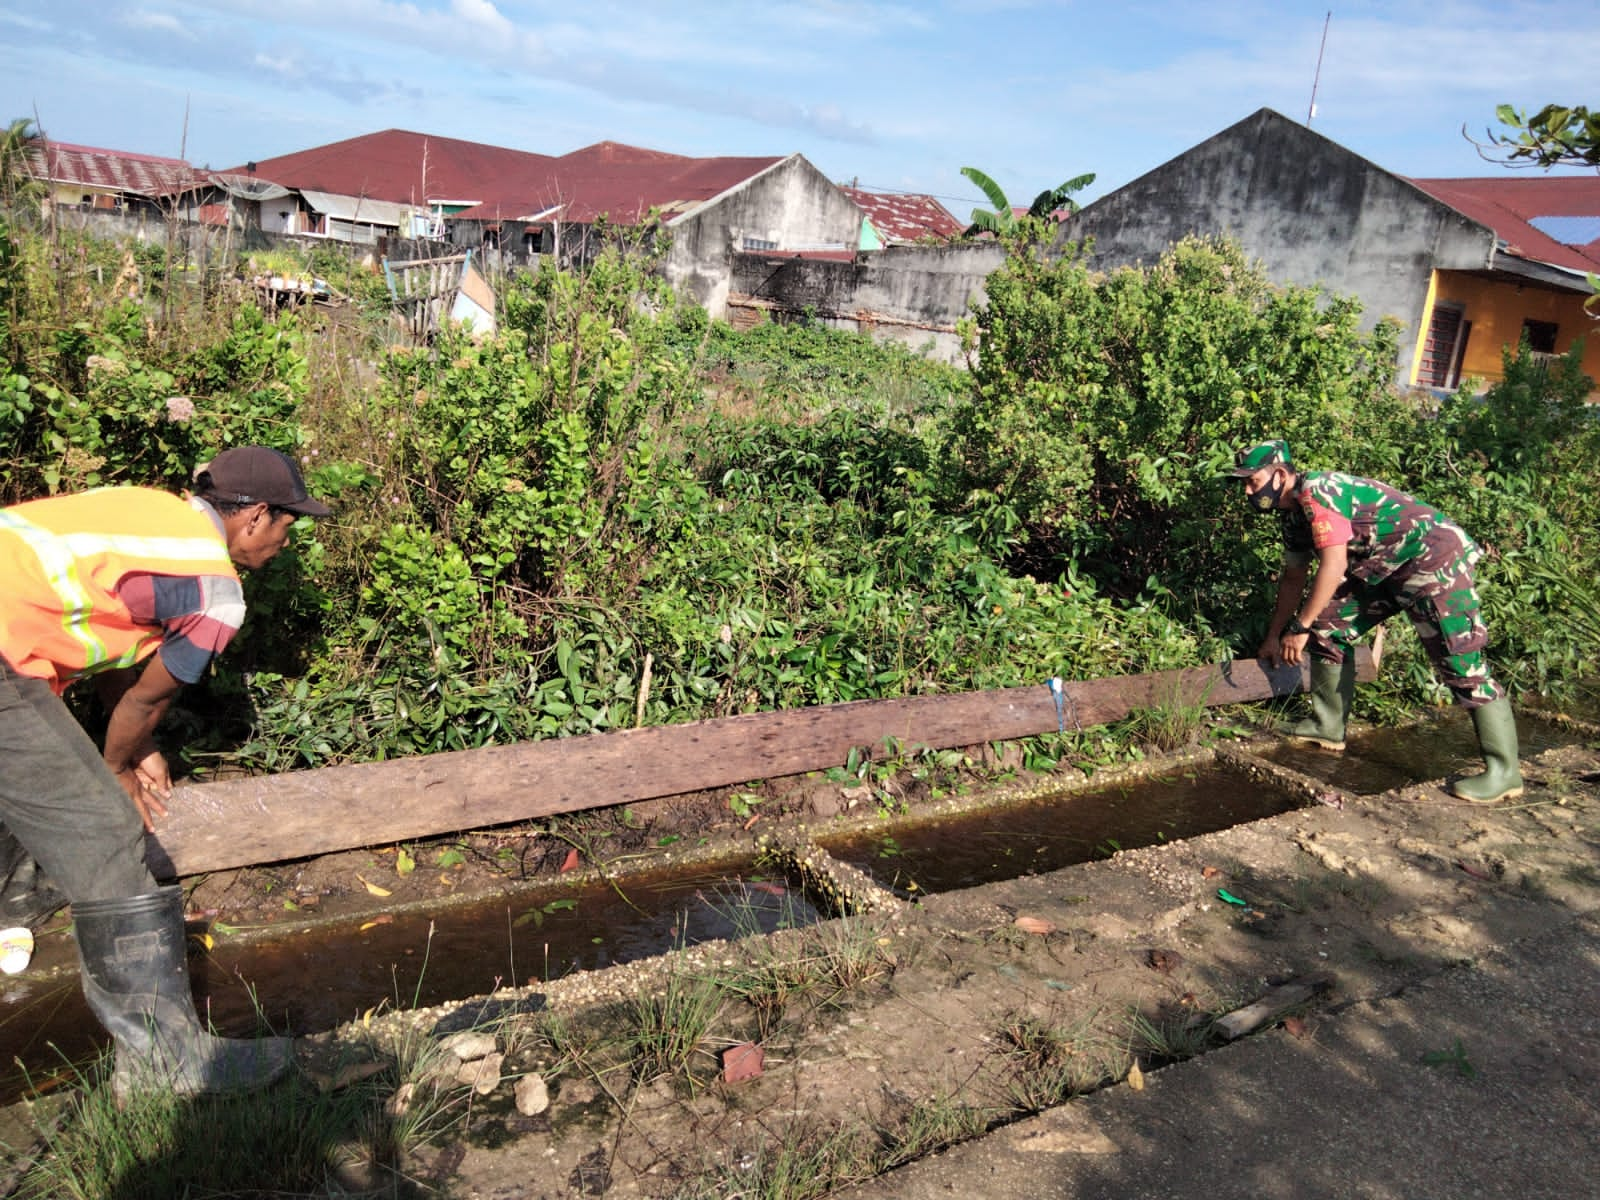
(1352,1109)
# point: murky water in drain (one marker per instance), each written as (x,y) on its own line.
(312,980)
(1054,832)
(1381,759)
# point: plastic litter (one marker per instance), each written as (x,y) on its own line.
(1228,897)
(16,949)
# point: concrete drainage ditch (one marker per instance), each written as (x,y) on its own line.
(572,937)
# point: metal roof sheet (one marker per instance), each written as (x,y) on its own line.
(623,182)
(108,170)
(400,166)
(363,210)
(905,217)
(1510,205)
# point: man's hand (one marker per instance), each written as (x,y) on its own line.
(149,785)
(1271,649)
(130,738)
(1293,648)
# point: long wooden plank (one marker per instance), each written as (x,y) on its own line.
(270,818)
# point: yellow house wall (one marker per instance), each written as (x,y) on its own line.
(70,195)
(1497,311)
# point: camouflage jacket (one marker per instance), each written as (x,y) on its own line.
(1381,528)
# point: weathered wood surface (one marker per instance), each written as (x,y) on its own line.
(270,818)
(1272,1005)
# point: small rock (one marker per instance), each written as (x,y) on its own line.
(483,1075)
(825,801)
(532,1096)
(400,1102)
(469,1047)
(741,1062)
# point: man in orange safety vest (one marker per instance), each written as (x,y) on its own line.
(135,590)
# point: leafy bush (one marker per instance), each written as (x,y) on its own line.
(1104,408)
(615,487)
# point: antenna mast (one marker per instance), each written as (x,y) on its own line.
(1316,78)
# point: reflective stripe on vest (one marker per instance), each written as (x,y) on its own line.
(102,637)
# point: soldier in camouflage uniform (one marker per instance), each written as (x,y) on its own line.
(1379,552)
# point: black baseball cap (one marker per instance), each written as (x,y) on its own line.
(259,475)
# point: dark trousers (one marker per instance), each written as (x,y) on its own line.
(60,800)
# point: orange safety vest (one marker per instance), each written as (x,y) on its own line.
(61,560)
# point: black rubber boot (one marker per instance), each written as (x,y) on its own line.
(1497,738)
(1333,689)
(137,983)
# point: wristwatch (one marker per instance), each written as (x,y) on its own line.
(1294,627)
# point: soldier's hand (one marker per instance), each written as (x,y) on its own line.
(1293,648)
(1271,650)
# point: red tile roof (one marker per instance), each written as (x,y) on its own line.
(400,166)
(1509,205)
(108,170)
(620,182)
(608,177)
(905,217)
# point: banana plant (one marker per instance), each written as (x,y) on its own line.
(1003,218)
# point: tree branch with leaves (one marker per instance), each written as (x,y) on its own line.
(1558,135)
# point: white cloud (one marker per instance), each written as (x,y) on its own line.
(23,22)
(279,66)
(158,22)
(484,15)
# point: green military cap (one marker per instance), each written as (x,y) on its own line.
(1266,454)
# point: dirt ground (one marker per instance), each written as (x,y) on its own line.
(961,1012)
(915,1024)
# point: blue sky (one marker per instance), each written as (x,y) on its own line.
(898,96)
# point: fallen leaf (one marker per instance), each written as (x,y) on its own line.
(1136,1078)
(374,888)
(754,817)
(572,859)
(1034,925)
(1209,872)
(1297,1026)
(380,919)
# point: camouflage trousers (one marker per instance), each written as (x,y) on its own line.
(1437,592)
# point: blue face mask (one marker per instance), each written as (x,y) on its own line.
(1266,497)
